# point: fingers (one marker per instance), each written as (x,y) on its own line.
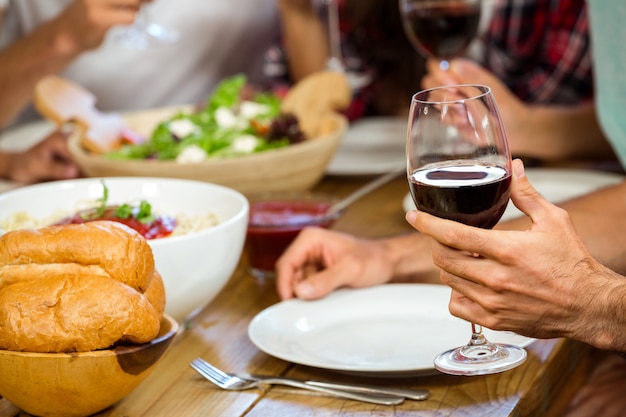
(461,71)
(303,258)
(451,233)
(321,260)
(50,159)
(460,305)
(322,283)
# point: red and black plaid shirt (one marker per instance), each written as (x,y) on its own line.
(541,49)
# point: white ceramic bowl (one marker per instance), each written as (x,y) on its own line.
(195,266)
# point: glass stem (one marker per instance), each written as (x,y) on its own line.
(478,338)
(334,35)
(141,19)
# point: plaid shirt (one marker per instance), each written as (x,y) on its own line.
(541,49)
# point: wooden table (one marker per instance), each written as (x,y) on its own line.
(542,386)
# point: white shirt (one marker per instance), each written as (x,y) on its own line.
(218,38)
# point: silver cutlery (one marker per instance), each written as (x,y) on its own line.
(413,394)
(234,382)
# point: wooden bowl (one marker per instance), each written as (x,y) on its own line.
(79,384)
(294,168)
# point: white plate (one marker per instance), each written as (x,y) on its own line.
(373,145)
(555,184)
(387,330)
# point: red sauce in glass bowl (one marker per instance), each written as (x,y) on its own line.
(275,224)
(161,226)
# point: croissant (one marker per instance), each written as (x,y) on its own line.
(77,287)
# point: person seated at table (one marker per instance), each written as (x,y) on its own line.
(48,160)
(373,44)
(569,260)
(538,63)
(76,39)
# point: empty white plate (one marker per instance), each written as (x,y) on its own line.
(387,330)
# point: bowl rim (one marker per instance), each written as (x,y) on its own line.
(174,328)
(239,196)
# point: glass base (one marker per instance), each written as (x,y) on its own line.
(480,359)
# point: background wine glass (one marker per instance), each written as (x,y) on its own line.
(335,62)
(144,33)
(440,28)
(459,168)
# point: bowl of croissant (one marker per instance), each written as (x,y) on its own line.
(79,330)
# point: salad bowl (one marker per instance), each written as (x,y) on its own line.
(296,167)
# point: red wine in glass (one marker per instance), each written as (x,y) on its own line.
(440,28)
(467,192)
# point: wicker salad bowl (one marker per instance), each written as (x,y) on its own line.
(293,168)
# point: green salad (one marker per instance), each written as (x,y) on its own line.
(234,122)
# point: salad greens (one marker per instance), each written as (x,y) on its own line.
(230,124)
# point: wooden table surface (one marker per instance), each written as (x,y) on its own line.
(542,386)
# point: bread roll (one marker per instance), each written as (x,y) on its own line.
(314,100)
(105,247)
(74,288)
(73,313)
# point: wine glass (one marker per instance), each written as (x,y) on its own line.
(335,62)
(144,33)
(459,168)
(440,28)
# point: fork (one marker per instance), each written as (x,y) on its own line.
(235,382)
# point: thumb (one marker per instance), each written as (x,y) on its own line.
(523,195)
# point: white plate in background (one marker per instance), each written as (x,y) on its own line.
(387,330)
(373,145)
(555,184)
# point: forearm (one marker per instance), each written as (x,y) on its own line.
(600,221)
(46,51)
(560,132)
(304,38)
(410,257)
(603,314)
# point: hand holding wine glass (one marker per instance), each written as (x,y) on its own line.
(459,168)
(440,28)
(144,33)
